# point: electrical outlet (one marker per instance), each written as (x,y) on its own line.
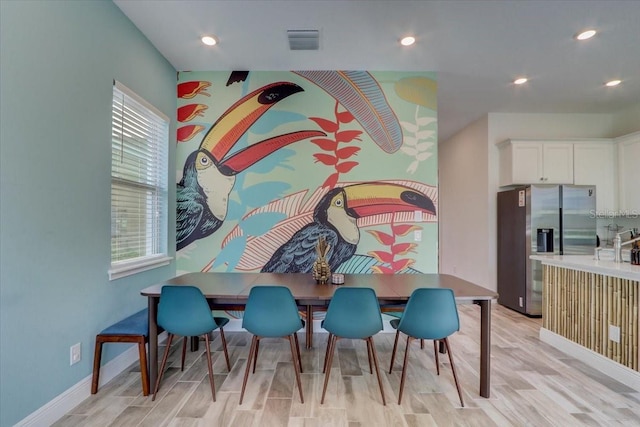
(520,302)
(614,333)
(75,354)
(417,235)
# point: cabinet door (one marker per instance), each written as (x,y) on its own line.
(595,164)
(629,166)
(557,161)
(527,163)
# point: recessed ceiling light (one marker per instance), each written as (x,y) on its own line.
(585,35)
(407,41)
(209,40)
(612,83)
(520,81)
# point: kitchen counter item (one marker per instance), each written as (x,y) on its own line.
(612,230)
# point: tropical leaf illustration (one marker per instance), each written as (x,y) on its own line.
(363,98)
(417,140)
(185,133)
(389,264)
(362,264)
(419,136)
(191,111)
(188,90)
(335,156)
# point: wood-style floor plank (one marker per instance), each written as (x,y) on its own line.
(532,383)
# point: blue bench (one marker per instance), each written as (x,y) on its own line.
(133,329)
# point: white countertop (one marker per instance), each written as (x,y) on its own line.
(623,270)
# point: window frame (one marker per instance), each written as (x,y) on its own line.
(154,192)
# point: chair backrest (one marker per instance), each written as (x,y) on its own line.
(184,311)
(431,313)
(353,313)
(271,311)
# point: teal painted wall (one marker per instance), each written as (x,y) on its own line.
(58,60)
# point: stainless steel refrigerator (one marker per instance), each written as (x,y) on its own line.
(540,219)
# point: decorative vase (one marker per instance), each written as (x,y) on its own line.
(321,270)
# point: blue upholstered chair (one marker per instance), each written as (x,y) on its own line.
(398,315)
(431,314)
(221,322)
(353,313)
(271,312)
(184,311)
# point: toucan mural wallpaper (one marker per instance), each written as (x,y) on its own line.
(269,162)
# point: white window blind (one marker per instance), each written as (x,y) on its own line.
(139,197)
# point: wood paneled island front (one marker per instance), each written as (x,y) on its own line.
(591,311)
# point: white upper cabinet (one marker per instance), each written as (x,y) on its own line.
(629,173)
(594,163)
(535,162)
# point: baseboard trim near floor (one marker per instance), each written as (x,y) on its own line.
(618,372)
(73,396)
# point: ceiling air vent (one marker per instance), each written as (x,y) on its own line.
(303,39)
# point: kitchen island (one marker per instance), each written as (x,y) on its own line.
(590,311)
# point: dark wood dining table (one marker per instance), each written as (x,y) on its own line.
(230,291)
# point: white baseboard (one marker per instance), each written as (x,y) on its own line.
(62,404)
(618,372)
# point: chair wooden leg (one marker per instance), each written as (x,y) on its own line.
(422,343)
(369,355)
(296,367)
(326,354)
(254,342)
(295,337)
(162,365)
(435,351)
(207,350)
(393,353)
(184,352)
(453,368)
(224,348)
(144,372)
(375,361)
(255,356)
(330,349)
(97,355)
(404,369)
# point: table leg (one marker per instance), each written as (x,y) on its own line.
(153,341)
(309,326)
(485,347)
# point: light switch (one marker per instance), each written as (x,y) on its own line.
(417,216)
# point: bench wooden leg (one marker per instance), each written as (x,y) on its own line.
(97,355)
(144,372)
(142,353)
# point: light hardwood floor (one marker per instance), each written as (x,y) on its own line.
(532,384)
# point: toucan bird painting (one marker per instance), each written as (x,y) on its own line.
(209,173)
(335,218)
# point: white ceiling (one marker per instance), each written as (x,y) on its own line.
(476,47)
